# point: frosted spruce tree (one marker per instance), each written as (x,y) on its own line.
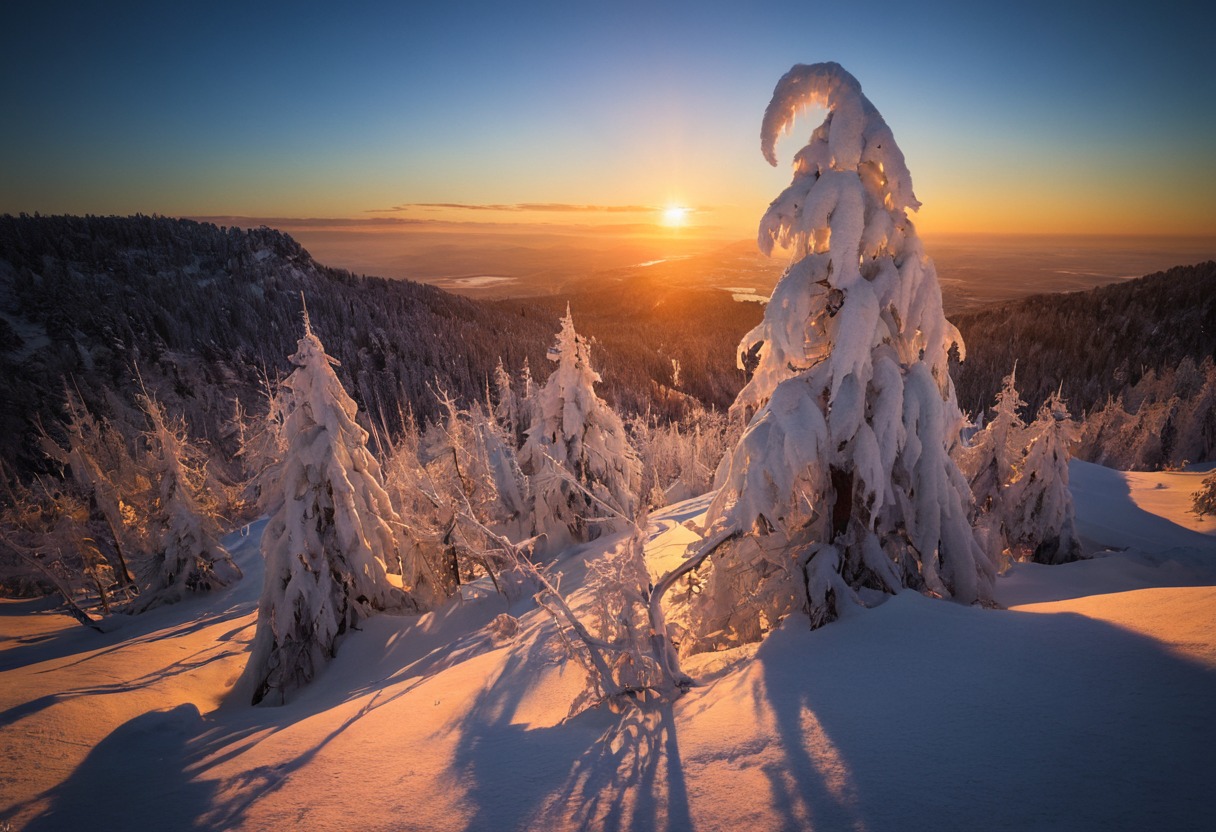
(187,556)
(1041,516)
(991,462)
(575,433)
(101,467)
(1203,501)
(507,408)
(843,480)
(330,533)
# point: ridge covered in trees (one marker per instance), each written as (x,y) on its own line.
(1097,343)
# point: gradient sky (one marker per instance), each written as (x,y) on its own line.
(1021,117)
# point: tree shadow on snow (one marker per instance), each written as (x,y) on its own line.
(596,771)
(155,771)
(972,719)
(133,779)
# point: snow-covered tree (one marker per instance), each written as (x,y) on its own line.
(468,453)
(679,458)
(1204,500)
(843,479)
(186,553)
(331,530)
(507,408)
(575,429)
(1041,515)
(47,537)
(100,465)
(991,461)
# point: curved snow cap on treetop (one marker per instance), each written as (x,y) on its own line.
(805,85)
(855,130)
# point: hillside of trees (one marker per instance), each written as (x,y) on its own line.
(207,314)
(1135,358)
(1097,344)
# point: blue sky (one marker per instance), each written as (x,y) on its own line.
(1031,117)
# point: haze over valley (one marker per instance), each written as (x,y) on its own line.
(498,260)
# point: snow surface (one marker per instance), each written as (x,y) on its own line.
(1084,706)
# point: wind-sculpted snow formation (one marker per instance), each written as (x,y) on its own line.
(330,534)
(842,481)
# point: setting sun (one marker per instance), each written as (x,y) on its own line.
(676,215)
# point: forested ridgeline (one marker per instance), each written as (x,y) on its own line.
(204,312)
(1136,358)
(207,313)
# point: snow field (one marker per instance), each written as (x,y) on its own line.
(1085,705)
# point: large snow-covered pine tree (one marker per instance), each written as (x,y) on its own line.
(330,533)
(843,479)
(575,429)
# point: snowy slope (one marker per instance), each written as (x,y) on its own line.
(1085,705)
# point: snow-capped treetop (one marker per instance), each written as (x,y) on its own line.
(853,136)
(844,216)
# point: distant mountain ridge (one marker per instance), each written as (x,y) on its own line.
(206,312)
(1095,343)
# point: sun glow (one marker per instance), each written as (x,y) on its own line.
(675,216)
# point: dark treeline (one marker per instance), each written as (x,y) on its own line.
(205,313)
(1098,343)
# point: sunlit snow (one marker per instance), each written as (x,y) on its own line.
(1084,706)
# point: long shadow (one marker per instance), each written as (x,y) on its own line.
(971,719)
(632,778)
(188,664)
(1108,517)
(19,712)
(133,779)
(87,645)
(597,771)
(172,752)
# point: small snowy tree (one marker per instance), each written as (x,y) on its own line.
(330,533)
(467,452)
(991,462)
(46,538)
(574,428)
(508,409)
(843,479)
(100,464)
(1204,500)
(187,555)
(1041,515)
